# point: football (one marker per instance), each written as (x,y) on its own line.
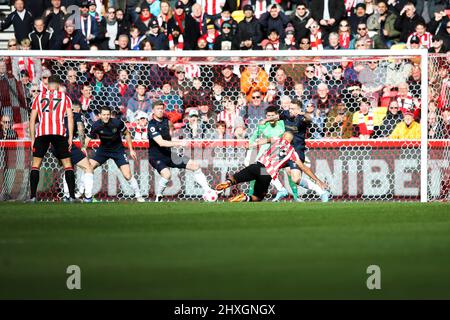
(210,196)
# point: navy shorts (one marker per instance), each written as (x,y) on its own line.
(76,155)
(301,154)
(119,156)
(160,162)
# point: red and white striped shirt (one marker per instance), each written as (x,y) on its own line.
(51,107)
(278,154)
(425,40)
(212,7)
(260,8)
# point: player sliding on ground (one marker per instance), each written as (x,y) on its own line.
(51,107)
(160,153)
(266,169)
(110,131)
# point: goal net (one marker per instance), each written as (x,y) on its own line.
(361,141)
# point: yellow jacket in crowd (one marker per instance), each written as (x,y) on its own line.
(402,131)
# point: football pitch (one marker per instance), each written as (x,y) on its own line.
(193,250)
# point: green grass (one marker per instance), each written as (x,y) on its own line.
(192,250)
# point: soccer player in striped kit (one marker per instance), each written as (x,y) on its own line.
(267,168)
(51,107)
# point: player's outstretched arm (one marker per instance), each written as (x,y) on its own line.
(311,174)
(130,144)
(168,144)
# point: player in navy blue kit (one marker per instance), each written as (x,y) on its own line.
(110,131)
(160,154)
(79,157)
(298,122)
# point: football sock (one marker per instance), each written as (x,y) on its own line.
(66,188)
(308,184)
(278,185)
(34,181)
(70,178)
(200,178)
(135,186)
(81,182)
(162,184)
(88,179)
(251,188)
(293,188)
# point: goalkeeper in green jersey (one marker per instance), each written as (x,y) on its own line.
(270,129)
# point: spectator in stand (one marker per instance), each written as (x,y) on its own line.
(210,36)
(366,120)
(361,37)
(140,102)
(304,44)
(193,27)
(212,9)
(6,129)
(272,42)
(136,38)
(284,84)
(408,129)
(323,100)
(229,80)
(165,14)
(55,17)
(345,34)
(123,42)
(435,126)
(88,25)
(122,91)
(393,117)
(176,39)
(328,13)
(407,21)
(310,81)
(123,24)
(234,122)
(357,17)
(20,19)
(139,132)
(333,42)
(339,122)
(86,99)
(316,36)
(425,38)
(171,99)
(72,39)
(438,45)
(73,89)
(336,81)
(261,6)
(254,111)
(112,28)
(207,116)
(225,41)
(254,78)
(372,77)
(398,71)
(157,38)
(316,129)
(274,19)
(40,37)
(144,20)
(225,17)
(414,82)
(438,22)
(178,19)
(382,22)
(289,43)
(194,128)
(249,28)
(299,20)
(221,131)
(153,5)
(406,101)
(32,66)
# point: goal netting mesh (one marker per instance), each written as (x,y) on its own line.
(356,142)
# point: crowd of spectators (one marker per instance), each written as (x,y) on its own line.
(374,98)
